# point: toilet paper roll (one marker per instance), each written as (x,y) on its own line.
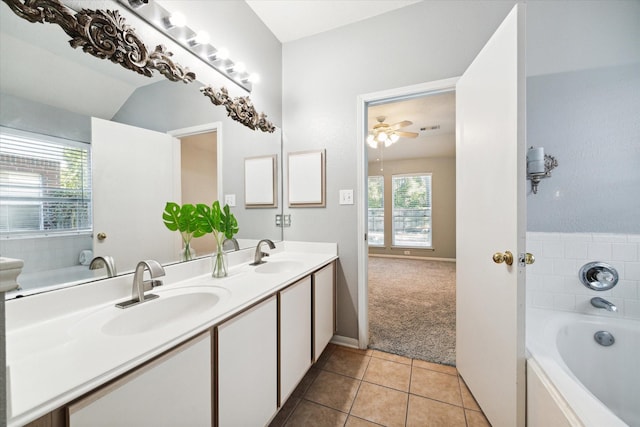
(85,257)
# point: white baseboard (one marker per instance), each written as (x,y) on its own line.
(344,341)
(424,258)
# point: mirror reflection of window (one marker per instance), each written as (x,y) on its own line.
(45,184)
(45,206)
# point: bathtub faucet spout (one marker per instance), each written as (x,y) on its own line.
(603,303)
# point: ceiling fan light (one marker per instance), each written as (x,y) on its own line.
(394,138)
(388,142)
(382,137)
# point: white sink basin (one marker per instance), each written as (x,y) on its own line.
(273,267)
(170,308)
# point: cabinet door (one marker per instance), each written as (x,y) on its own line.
(295,335)
(323,308)
(247,367)
(172,390)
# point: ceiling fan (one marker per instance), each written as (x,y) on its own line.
(387,134)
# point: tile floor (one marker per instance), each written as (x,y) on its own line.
(359,388)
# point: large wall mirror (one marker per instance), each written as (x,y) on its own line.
(93,124)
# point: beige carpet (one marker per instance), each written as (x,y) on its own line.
(412,308)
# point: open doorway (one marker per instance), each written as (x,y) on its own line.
(408,186)
(199,149)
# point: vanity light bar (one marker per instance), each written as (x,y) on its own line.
(196,43)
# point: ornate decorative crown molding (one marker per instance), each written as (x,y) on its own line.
(106,35)
(240,109)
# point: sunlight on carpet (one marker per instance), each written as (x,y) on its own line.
(412,308)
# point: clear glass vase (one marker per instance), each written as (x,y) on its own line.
(187,253)
(220,265)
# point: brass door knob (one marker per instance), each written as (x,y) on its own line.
(102,236)
(506,257)
(528,258)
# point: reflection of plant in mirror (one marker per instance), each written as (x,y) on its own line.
(223,224)
(185,220)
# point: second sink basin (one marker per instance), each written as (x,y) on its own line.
(273,267)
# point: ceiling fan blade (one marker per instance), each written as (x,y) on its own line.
(406,134)
(401,124)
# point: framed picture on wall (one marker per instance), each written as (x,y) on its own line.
(306,179)
(260,182)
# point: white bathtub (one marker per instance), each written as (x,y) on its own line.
(598,385)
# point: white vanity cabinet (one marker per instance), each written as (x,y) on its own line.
(247,348)
(324,325)
(295,335)
(237,372)
(172,390)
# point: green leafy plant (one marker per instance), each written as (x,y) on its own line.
(223,224)
(185,220)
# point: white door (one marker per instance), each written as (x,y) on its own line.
(490,173)
(133,178)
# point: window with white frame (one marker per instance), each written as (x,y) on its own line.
(411,211)
(45,184)
(375,234)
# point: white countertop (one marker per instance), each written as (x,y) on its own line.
(56,354)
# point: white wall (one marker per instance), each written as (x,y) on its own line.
(583,99)
(324,74)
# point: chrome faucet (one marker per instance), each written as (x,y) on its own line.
(603,303)
(105,261)
(257,259)
(140,286)
(234,242)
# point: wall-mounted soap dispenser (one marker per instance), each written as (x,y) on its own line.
(539,165)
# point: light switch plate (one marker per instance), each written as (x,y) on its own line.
(230,199)
(346,197)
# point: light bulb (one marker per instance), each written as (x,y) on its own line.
(202,37)
(254,78)
(388,142)
(177,19)
(371,141)
(222,53)
(382,137)
(394,138)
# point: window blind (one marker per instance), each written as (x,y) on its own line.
(45,184)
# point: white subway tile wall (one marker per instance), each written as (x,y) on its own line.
(553,282)
(46,252)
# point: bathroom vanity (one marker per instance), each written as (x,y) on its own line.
(201,354)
